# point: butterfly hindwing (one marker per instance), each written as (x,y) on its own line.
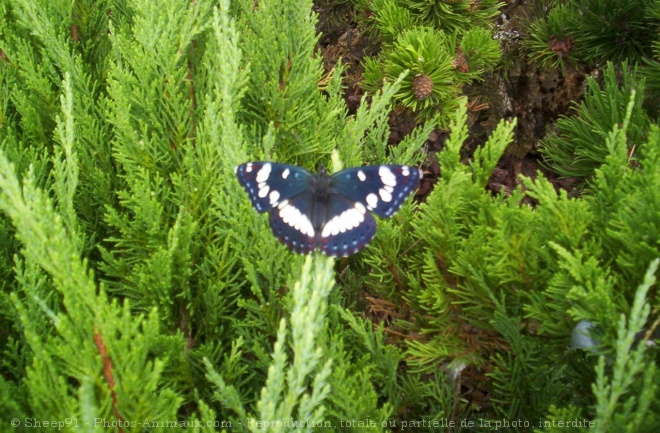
(291,224)
(338,227)
(381,188)
(268,183)
(348,228)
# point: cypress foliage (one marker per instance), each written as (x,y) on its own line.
(144,287)
(499,285)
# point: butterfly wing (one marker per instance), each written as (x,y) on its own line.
(381,188)
(268,183)
(337,227)
(348,227)
(291,223)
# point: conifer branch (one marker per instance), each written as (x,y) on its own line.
(617,407)
(107,373)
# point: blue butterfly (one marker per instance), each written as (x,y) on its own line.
(331,213)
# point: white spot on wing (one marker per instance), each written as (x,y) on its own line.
(248,167)
(285,173)
(372,201)
(386,176)
(347,220)
(405,170)
(384,195)
(264,172)
(274,196)
(328,228)
(287,213)
(263,191)
(361,175)
(294,218)
(309,228)
(357,216)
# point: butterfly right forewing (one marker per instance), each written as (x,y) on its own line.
(381,188)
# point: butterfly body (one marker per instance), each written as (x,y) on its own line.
(331,213)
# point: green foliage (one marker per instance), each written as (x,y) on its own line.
(282,96)
(650,71)
(283,397)
(624,395)
(446,64)
(137,283)
(580,146)
(496,284)
(387,18)
(550,44)
(592,32)
(79,346)
(333,14)
(454,15)
(614,30)
(439,56)
(629,215)
(481,50)
(524,364)
(422,52)
(391,19)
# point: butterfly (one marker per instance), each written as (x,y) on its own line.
(330,213)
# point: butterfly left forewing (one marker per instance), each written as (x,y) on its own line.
(380,188)
(269,183)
